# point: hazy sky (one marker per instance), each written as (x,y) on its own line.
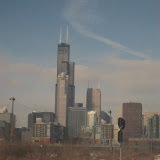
(114,42)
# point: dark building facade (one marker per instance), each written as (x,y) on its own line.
(78,105)
(63,58)
(18,133)
(4,130)
(77,117)
(46,117)
(105,116)
(132,113)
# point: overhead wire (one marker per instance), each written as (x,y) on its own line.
(25,106)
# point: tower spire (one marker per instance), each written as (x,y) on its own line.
(60,36)
(98,84)
(67,40)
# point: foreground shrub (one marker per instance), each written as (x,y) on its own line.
(15,150)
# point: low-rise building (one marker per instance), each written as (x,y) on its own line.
(47,132)
(91,118)
(27,136)
(6,116)
(45,116)
(103,134)
(3,110)
(4,130)
(115,137)
(18,133)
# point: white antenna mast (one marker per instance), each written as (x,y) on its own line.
(60,36)
(98,84)
(67,40)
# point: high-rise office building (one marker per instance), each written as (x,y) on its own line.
(150,128)
(94,100)
(65,89)
(77,117)
(153,126)
(63,58)
(132,113)
(71,87)
(61,99)
(71,73)
(147,115)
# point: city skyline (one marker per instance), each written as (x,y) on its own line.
(118,49)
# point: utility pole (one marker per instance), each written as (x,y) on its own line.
(110,112)
(12,119)
(143,126)
(121,124)
(113,152)
(151,137)
(120,157)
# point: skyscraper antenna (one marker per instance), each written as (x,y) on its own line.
(60,36)
(67,40)
(98,84)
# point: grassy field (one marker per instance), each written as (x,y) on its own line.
(22,151)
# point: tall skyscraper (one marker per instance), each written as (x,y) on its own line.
(65,89)
(61,99)
(132,113)
(94,100)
